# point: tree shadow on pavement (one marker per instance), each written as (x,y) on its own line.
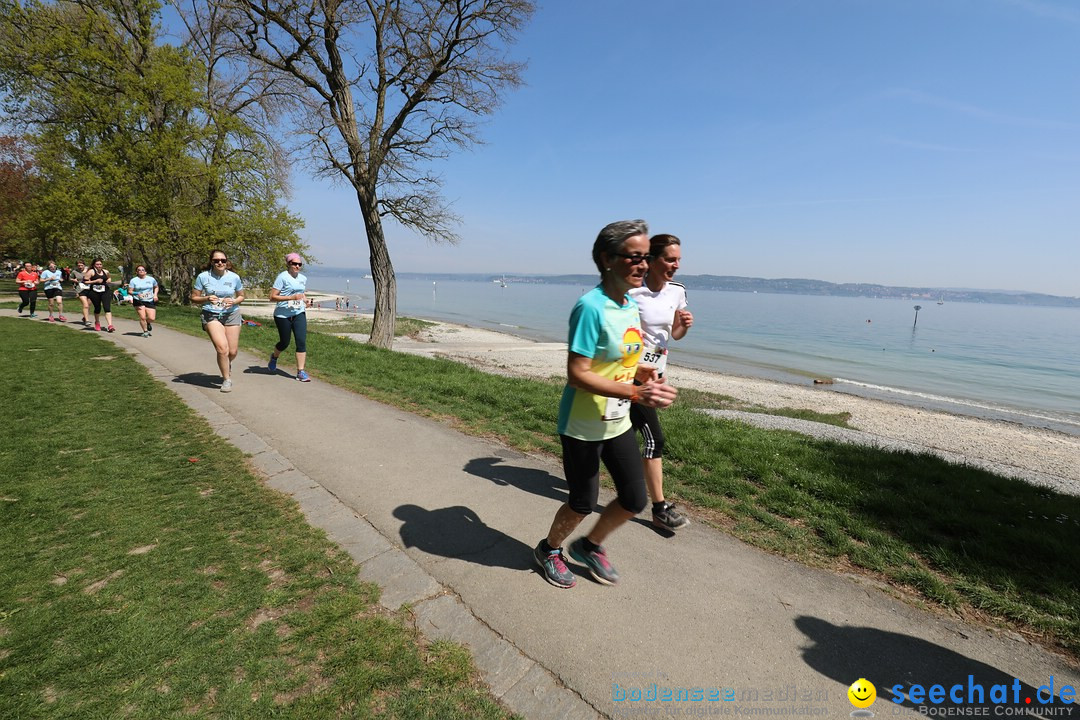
(897,663)
(537,482)
(199,379)
(458,532)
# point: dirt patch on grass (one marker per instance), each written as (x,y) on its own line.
(100,584)
(142,550)
(262,616)
(278,577)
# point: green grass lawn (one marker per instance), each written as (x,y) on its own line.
(147,573)
(991,548)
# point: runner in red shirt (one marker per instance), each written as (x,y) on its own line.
(27,280)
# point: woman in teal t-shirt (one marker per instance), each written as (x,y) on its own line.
(605,345)
(144,296)
(290,314)
(221,291)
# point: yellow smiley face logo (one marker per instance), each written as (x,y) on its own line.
(862,693)
(632,345)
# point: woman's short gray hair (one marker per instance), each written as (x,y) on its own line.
(611,239)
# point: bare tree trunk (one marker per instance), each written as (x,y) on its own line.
(382,273)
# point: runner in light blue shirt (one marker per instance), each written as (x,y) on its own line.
(290,315)
(220,291)
(52,280)
(605,346)
(144,295)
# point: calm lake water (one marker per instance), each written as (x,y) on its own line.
(1000,361)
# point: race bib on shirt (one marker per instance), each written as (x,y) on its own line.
(657,358)
(97,288)
(616,409)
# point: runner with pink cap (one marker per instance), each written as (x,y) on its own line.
(290,315)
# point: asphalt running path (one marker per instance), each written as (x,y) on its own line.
(445,523)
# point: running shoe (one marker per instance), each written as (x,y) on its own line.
(597,561)
(272,364)
(112,329)
(554,566)
(61,318)
(52,319)
(145,333)
(302,376)
(20,309)
(149,327)
(226,386)
(668,518)
(33,315)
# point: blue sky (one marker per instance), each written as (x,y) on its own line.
(904,142)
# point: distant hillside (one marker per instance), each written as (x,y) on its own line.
(794,286)
(785,286)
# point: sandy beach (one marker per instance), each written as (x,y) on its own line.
(1042,456)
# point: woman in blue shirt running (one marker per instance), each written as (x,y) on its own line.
(605,347)
(221,291)
(54,290)
(290,314)
(144,295)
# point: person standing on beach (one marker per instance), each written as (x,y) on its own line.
(97,277)
(290,315)
(27,282)
(605,346)
(82,290)
(221,291)
(664,317)
(144,296)
(53,283)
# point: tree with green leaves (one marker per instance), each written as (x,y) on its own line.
(17,184)
(379,89)
(133,153)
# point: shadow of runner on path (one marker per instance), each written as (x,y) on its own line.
(264,370)
(537,482)
(904,669)
(199,379)
(458,532)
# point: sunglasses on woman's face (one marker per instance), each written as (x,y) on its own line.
(634,259)
(296,264)
(220,260)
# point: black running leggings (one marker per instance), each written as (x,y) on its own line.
(295,325)
(581,465)
(647,421)
(100,298)
(28,297)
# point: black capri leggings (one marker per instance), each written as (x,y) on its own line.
(295,325)
(28,297)
(100,298)
(647,421)
(581,465)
